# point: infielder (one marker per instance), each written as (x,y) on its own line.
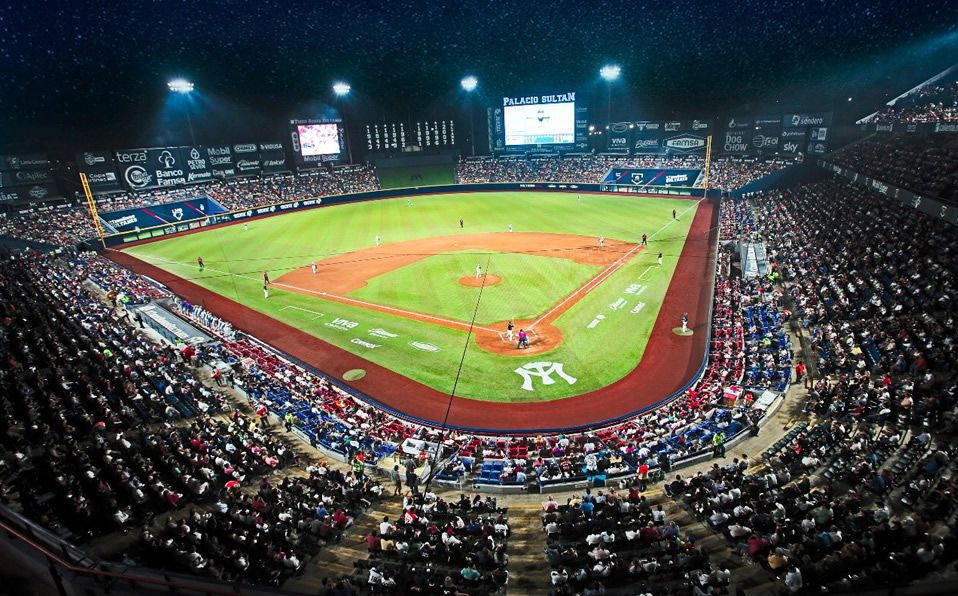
(313,267)
(510,227)
(378,240)
(601,241)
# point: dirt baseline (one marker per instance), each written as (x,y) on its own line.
(348,272)
(337,276)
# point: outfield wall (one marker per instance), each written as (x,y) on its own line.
(187,225)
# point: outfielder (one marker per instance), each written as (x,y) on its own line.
(378,240)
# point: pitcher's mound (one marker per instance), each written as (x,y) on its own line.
(474,282)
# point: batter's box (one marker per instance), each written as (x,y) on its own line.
(504,336)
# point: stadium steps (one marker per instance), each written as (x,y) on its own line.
(528,569)
(337,559)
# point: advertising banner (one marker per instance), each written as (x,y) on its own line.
(246,158)
(29,194)
(24,177)
(25,161)
(167,214)
(273,158)
(619,136)
(646,137)
(100,170)
(220,159)
(653,176)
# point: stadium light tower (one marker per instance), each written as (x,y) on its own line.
(184,87)
(469,85)
(610,73)
(341,89)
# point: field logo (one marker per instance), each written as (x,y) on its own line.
(342,324)
(363,343)
(543,370)
(378,332)
(424,347)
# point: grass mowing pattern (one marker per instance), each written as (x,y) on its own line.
(530,285)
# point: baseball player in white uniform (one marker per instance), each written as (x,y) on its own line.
(478,272)
(313,266)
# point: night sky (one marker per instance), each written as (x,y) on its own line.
(80,74)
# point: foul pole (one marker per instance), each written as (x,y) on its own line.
(91,208)
(708,162)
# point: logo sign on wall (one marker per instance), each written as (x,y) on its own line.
(221,161)
(685,143)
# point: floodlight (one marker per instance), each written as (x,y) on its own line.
(469,83)
(610,72)
(341,88)
(180,86)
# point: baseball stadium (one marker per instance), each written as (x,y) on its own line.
(397,299)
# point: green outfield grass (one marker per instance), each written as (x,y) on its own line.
(596,351)
(530,285)
(409,176)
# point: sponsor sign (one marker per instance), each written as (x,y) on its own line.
(220,159)
(100,170)
(738,123)
(685,143)
(735,141)
(363,343)
(382,333)
(142,169)
(423,347)
(24,178)
(807,119)
(25,161)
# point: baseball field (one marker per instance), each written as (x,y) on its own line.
(396,287)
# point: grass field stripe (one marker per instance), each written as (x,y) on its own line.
(607,273)
(406,313)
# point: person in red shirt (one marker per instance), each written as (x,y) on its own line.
(373,542)
(799,371)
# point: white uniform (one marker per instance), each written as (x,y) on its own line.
(265,291)
(245,226)
(313,266)
(601,241)
(478,272)
(378,240)
(510,227)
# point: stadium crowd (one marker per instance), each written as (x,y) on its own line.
(925,165)
(725,173)
(848,502)
(934,102)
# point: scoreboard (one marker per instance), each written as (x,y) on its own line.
(408,136)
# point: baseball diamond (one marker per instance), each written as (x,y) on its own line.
(401,311)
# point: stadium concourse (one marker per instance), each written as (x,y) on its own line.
(224,459)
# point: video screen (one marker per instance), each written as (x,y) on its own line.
(540,124)
(319,139)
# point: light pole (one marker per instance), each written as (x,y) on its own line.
(469,85)
(184,87)
(610,72)
(342,89)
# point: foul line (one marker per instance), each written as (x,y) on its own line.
(409,314)
(607,272)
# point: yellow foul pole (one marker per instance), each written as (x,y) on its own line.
(91,208)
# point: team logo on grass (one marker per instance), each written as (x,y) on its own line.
(363,343)
(424,347)
(379,332)
(543,370)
